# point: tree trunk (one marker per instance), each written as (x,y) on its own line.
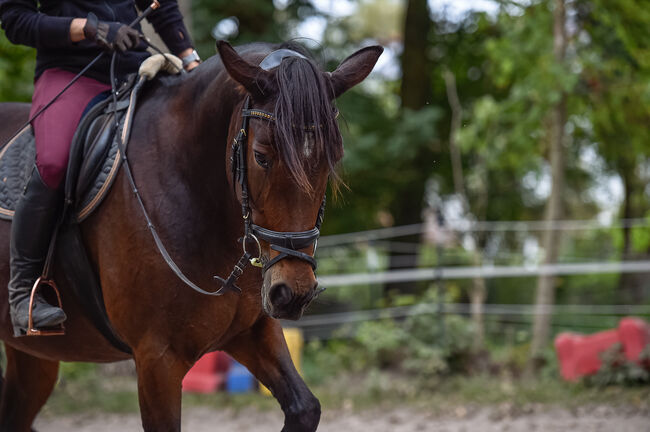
(478,292)
(632,286)
(416,66)
(545,294)
(477,296)
(416,94)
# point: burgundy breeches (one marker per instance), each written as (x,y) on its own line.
(55,127)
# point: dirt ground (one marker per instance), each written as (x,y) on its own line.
(501,418)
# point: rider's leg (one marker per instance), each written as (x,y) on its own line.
(30,236)
(36,211)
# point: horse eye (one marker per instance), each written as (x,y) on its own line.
(262,160)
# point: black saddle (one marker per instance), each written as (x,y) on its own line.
(92,168)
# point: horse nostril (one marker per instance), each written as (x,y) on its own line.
(280,295)
(314,291)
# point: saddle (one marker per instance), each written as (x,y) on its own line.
(93,165)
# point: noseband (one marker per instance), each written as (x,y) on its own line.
(287,243)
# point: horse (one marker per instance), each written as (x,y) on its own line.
(181,158)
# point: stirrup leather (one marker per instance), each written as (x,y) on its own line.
(58,330)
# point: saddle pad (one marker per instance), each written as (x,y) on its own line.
(17,161)
(16,164)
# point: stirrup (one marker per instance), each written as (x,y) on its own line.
(57,330)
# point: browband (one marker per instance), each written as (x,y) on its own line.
(265,115)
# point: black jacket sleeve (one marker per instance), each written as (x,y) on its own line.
(167,20)
(24,24)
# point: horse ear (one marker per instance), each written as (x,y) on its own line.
(354,69)
(253,78)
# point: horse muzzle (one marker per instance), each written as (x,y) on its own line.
(286,302)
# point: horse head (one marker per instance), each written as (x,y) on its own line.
(286,146)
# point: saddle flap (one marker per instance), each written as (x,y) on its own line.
(97,145)
(93,156)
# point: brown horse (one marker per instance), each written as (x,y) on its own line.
(180,156)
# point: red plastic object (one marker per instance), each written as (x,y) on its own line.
(635,336)
(208,374)
(579,355)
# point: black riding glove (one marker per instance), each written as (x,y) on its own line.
(110,35)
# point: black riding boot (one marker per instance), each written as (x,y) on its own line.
(31,232)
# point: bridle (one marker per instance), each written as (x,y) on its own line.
(287,243)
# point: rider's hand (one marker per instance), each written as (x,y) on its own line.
(110,35)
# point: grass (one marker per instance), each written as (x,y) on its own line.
(83,390)
(379,390)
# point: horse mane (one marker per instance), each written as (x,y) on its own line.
(304,111)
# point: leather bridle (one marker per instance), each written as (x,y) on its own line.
(287,243)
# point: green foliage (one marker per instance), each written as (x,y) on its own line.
(381,145)
(438,346)
(616,62)
(616,369)
(76,371)
(258,20)
(640,238)
(382,343)
(424,344)
(627,22)
(16,71)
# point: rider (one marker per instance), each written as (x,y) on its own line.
(67,35)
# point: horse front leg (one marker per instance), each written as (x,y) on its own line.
(160,376)
(263,350)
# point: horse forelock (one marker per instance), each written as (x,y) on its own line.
(306,130)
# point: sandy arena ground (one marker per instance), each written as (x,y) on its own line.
(495,419)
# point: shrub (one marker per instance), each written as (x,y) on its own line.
(423,344)
(616,369)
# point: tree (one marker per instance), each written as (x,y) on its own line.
(254,20)
(415,95)
(545,293)
(478,292)
(616,70)
(416,63)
